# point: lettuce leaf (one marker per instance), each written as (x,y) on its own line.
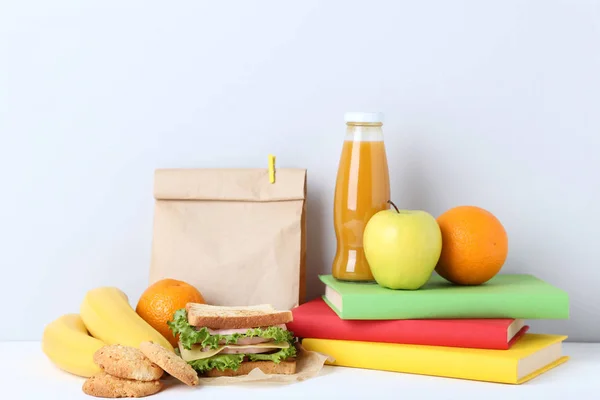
(233,361)
(271,332)
(276,357)
(220,362)
(189,335)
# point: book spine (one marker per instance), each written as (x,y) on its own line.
(458,307)
(432,333)
(422,360)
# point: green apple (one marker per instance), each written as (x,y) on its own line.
(402,247)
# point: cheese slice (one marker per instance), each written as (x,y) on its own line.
(196,353)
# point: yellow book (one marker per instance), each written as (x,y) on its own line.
(531,356)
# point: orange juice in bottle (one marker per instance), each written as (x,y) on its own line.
(362,189)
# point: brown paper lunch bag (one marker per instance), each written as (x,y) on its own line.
(234,235)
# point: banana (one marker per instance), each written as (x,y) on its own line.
(109,317)
(66,342)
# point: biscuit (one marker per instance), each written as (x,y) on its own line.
(170,362)
(126,362)
(105,385)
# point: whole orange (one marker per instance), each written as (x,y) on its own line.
(474,245)
(160,300)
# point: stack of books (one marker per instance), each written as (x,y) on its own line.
(466,332)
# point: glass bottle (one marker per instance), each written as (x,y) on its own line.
(362,189)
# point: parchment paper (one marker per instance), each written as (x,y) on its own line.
(235,236)
(309,364)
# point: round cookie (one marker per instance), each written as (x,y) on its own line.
(108,386)
(127,362)
(170,362)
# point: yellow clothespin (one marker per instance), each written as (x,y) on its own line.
(271,168)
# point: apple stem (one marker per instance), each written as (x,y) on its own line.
(392,203)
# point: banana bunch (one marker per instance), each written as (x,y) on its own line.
(105,317)
(68,345)
(109,317)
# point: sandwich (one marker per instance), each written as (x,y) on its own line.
(232,341)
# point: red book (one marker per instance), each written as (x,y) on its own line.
(316,320)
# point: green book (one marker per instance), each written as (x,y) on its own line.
(517,296)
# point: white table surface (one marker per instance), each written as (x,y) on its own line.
(26,373)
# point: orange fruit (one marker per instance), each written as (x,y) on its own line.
(160,300)
(474,245)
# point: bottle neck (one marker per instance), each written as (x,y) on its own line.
(364,132)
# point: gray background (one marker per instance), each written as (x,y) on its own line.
(489,103)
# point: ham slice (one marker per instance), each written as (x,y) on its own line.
(196,353)
(232,331)
(247,341)
(242,341)
(253,350)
